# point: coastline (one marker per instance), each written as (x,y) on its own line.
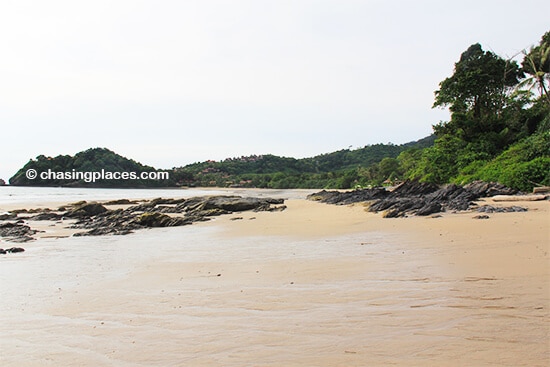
(316,284)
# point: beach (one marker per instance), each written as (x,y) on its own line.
(313,285)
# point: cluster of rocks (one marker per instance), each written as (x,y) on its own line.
(416,198)
(96,219)
(16,231)
(12,250)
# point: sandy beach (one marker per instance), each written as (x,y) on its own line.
(314,285)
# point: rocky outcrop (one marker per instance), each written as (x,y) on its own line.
(95,219)
(416,198)
(348,197)
(169,213)
(16,231)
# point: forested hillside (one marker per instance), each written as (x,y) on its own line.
(500,122)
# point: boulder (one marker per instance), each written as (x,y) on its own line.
(86,210)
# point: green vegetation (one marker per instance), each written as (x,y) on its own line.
(500,122)
(341,169)
(499,131)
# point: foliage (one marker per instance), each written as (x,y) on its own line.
(478,84)
(523,165)
(536,63)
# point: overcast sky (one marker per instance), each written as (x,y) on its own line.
(169,83)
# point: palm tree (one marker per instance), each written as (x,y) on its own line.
(536,63)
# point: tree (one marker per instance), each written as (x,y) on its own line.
(536,63)
(479,84)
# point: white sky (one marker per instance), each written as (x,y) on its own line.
(169,83)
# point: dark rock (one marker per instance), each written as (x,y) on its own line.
(153,213)
(102,231)
(348,197)
(238,204)
(414,188)
(429,209)
(16,232)
(86,210)
(155,219)
(8,216)
(418,198)
(18,211)
(12,250)
(481,216)
(120,202)
(483,189)
(493,209)
(46,216)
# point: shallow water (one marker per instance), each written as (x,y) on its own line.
(189,297)
(25,196)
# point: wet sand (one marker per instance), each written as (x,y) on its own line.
(315,285)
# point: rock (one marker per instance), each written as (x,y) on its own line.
(2,251)
(14,250)
(413,197)
(102,231)
(483,189)
(348,197)
(481,216)
(429,209)
(493,209)
(153,213)
(120,202)
(46,216)
(238,203)
(159,220)
(414,188)
(16,232)
(8,216)
(86,210)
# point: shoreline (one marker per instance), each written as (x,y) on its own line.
(315,284)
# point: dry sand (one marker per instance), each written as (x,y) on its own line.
(315,285)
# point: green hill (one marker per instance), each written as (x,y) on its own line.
(98,167)
(325,170)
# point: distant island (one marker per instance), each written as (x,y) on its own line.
(499,131)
